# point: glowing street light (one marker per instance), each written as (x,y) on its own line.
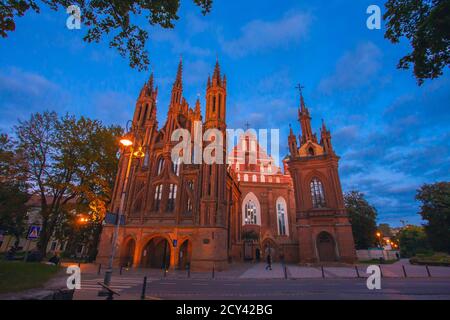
(126,141)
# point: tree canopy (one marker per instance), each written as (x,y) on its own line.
(412,240)
(71,163)
(435,209)
(426,24)
(114,18)
(363,219)
(13,189)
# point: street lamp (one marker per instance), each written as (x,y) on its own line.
(125,142)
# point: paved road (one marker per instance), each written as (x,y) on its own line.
(185,289)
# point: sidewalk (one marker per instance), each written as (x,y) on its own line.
(258,271)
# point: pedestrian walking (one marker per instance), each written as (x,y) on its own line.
(269,262)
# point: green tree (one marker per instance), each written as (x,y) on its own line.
(68,162)
(412,240)
(435,209)
(426,24)
(113,18)
(363,219)
(13,189)
(13,209)
(385,229)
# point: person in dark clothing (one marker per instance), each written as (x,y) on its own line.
(269,262)
(54,259)
(258,254)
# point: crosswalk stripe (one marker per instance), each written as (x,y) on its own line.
(97,289)
(98,286)
(114,282)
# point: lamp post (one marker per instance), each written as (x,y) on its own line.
(126,142)
(378,234)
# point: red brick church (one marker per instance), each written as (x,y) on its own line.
(214,214)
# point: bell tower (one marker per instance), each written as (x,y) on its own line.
(324,230)
(213,201)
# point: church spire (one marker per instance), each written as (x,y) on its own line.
(292,140)
(216,79)
(304,119)
(179,78)
(177,89)
(325,139)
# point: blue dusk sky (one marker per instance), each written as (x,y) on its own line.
(392,135)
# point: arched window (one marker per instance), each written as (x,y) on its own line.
(189,207)
(176,166)
(263,178)
(250,213)
(146,159)
(172,197)
(239,177)
(251,210)
(245,177)
(160,165)
(158,196)
(282,217)
(317,195)
(254,178)
(311,151)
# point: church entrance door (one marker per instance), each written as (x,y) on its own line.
(326,247)
(156,254)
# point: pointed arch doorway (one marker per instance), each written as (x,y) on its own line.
(127,254)
(184,255)
(326,247)
(156,254)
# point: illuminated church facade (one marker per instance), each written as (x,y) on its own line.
(210,215)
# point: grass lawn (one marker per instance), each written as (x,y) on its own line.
(17,275)
(437,258)
(377,261)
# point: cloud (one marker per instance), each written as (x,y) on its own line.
(112,107)
(179,46)
(354,69)
(196,24)
(258,35)
(23,92)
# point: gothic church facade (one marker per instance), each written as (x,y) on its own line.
(209,215)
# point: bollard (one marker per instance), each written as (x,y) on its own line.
(428,271)
(323,272)
(188,271)
(99,268)
(357,272)
(404,271)
(285,272)
(165,272)
(144,288)
(120,270)
(381,271)
(213,272)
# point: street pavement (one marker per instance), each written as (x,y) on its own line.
(253,281)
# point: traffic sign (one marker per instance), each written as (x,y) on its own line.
(33,232)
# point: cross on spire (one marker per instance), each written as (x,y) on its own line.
(302,102)
(247,125)
(300,88)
